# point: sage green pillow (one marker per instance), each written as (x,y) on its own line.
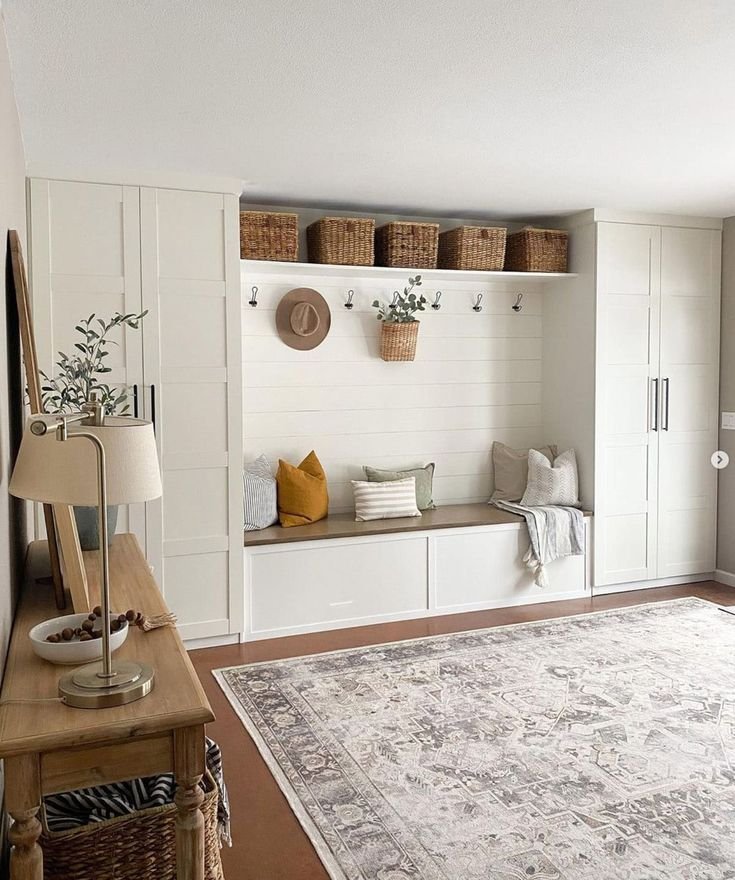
(424,482)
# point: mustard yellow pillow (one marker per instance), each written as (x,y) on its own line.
(302,492)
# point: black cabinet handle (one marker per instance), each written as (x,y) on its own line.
(135,401)
(153,407)
(654,425)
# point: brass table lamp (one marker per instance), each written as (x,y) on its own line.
(118,464)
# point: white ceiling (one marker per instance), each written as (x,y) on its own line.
(462,107)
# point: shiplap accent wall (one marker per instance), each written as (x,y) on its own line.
(476,378)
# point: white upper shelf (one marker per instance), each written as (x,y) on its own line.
(267,267)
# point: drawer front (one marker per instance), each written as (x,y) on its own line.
(307,586)
(486,569)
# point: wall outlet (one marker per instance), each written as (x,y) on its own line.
(728,421)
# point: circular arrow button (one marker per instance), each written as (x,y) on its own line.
(720,459)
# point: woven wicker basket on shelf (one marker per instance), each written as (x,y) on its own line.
(537,250)
(481,248)
(141,846)
(398,341)
(266,235)
(401,243)
(342,241)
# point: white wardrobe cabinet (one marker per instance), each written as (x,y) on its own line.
(103,248)
(658,295)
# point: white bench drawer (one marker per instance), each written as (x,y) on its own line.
(305,586)
(485,569)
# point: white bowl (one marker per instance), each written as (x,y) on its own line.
(73,653)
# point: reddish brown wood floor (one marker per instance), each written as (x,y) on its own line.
(268,841)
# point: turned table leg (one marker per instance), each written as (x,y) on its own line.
(23,800)
(189,769)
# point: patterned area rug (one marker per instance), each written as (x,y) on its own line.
(599,747)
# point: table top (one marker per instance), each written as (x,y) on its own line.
(343,525)
(177,699)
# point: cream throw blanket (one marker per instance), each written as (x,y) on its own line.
(554,532)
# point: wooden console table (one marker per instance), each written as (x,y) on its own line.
(49,747)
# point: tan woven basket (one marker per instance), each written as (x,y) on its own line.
(481,248)
(342,241)
(267,235)
(398,341)
(537,250)
(141,846)
(413,245)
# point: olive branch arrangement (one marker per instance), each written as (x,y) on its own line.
(78,373)
(404,306)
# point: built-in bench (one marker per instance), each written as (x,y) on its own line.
(338,572)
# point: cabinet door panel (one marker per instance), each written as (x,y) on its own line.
(192,330)
(626,445)
(190,261)
(194,503)
(85,259)
(625,258)
(625,543)
(687,497)
(197,586)
(690,262)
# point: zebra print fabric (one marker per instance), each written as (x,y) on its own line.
(75,809)
(260,502)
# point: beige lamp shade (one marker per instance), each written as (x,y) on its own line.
(65,472)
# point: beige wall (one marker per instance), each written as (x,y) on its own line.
(726,504)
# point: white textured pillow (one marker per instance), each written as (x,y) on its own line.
(548,484)
(387,500)
(510,468)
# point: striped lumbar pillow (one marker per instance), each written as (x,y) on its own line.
(385,500)
(259,495)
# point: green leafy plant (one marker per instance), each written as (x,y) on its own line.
(404,306)
(80,372)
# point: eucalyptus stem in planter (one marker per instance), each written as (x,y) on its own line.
(399,325)
(79,374)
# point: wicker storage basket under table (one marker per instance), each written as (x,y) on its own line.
(141,846)
(478,248)
(342,241)
(267,235)
(412,245)
(398,341)
(537,250)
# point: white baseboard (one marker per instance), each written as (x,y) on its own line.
(212,642)
(724,577)
(606,589)
(538,598)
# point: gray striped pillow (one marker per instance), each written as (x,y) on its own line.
(388,500)
(260,501)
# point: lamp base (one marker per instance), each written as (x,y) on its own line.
(83,688)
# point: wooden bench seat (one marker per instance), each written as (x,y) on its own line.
(343,525)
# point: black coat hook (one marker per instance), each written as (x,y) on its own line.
(349,304)
(477,307)
(253,301)
(436,305)
(517,306)
(395,299)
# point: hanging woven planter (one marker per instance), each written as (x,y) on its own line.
(398,340)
